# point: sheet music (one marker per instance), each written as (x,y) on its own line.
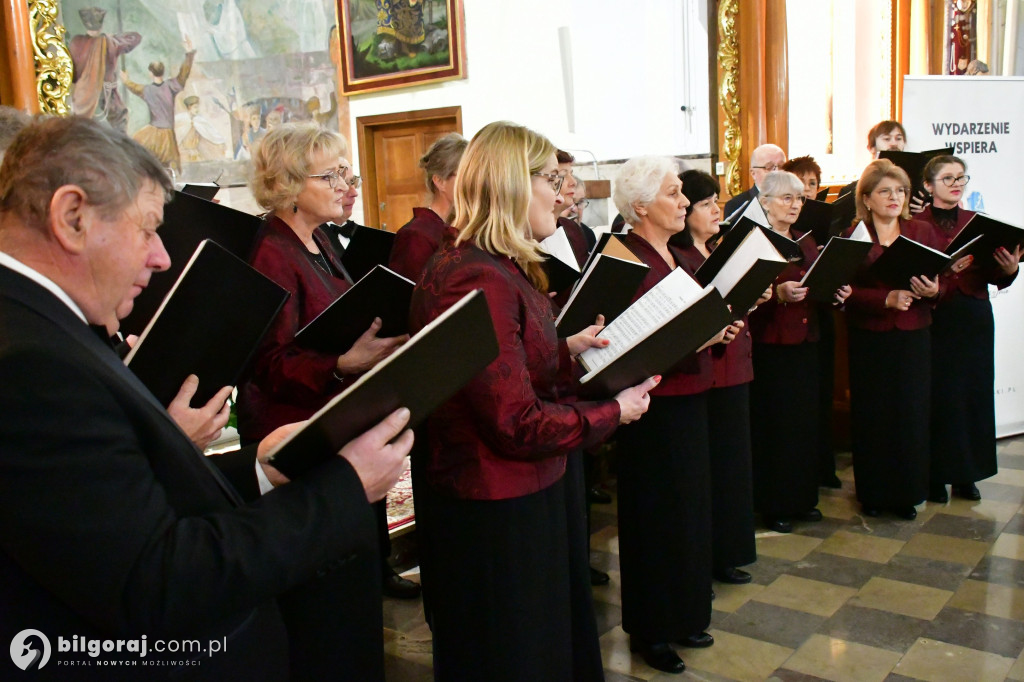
(558,245)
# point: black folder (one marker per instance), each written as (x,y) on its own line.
(381,293)
(987,234)
(789,249)
(188,220)
(818,218)
(822,194)
(844,210)
(561,277)
(913,163)
(203,190)
(367,248)
(742,297)
(607,288)
(726,246)
(664,348)
(208,325)
(835,267)
(906,258)
(428,370)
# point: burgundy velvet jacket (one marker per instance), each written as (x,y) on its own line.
(287,383)
(788,323)
(417,241)
(694,374)
(974,280)
(865,307)
(507,433)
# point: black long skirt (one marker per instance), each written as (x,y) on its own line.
(890,394)
(784,403)
(509,587)
(826,386)
(963,435)
(665,520)
(732,486)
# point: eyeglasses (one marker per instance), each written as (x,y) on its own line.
(889,192)
(554,179)
(582,204)
(789,199)
(950,181)
(333,177)
(768,167)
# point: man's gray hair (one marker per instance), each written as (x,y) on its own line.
(638,182)
(52,152)
(12,121)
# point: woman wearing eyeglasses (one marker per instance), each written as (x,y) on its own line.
(785,354)
(301,175)
(963,435)
(890,355)
(509,585)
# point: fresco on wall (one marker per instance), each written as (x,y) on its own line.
(199,81)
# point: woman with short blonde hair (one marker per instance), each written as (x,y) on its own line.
(281,161)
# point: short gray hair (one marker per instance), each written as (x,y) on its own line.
(12,121)
(638,182)
(52,152)
(779,183)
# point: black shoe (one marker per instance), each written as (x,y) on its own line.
(733,576)
(713,595)
(701,641)
(967,491)
(598,577)
(659,656)
(937,493)
(778,525)
(871,511)
(810,515)
(400,588)
(908,513)
(597,496)
(831,482)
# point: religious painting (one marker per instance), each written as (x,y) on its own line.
(198,82)
(397,43)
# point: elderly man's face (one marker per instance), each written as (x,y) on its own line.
(121,254)
(764,163)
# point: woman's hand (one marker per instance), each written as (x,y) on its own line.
(368,350)
(765,297)
(900,299)
(1007,260)
(843,293)
(634,401)
(731,332)
(791,292)
(962,264)
(587,338)
(924,287)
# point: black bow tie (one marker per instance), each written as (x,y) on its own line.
(347,230)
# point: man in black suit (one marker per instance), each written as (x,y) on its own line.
(114,524)
(764,160)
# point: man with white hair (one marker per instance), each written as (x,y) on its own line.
(764,160)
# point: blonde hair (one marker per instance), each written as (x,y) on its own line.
(493,190)
(280,161)
(876,171)
(442,159)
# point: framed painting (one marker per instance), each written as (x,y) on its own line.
(398,43)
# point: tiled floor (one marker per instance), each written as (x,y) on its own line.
(940,598)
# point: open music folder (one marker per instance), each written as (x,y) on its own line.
(367,248)
(561,267)
(982,235)
(607,287)
(836,265)
(748,272)
(906,258)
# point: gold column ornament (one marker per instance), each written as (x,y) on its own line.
(728,91)
(52,58)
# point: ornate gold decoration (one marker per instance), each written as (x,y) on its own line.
(52,58)
(728,91)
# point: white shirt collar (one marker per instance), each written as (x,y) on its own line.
(43,281)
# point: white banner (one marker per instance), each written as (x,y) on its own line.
(983,118)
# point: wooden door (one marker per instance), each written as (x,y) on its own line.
(389,161)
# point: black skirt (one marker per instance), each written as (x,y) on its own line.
(890,394)
(665,520)
(784,405)
(826,386)
(509,587)
(963,434)
(732,487)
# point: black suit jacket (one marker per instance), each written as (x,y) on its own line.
(734,204)
(113,525)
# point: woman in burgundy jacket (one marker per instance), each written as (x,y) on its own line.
(890,355)
(509,585)
(963,433)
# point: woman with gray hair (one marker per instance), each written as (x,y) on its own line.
(785,354)
(665,544)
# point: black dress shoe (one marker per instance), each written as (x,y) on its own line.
(967,491)
(908,513)
(400,588)
(733,576)
(598,577)
(937,493)
(779,525)
(713,595)
(701,641)
(871,511)
(811,515)
(831,482)
(598,496)
(659,656)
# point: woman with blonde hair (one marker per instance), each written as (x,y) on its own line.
(509,585)
(890,354)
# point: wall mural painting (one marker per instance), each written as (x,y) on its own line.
(199,81)
(398,43)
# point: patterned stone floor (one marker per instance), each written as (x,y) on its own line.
(940,598)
